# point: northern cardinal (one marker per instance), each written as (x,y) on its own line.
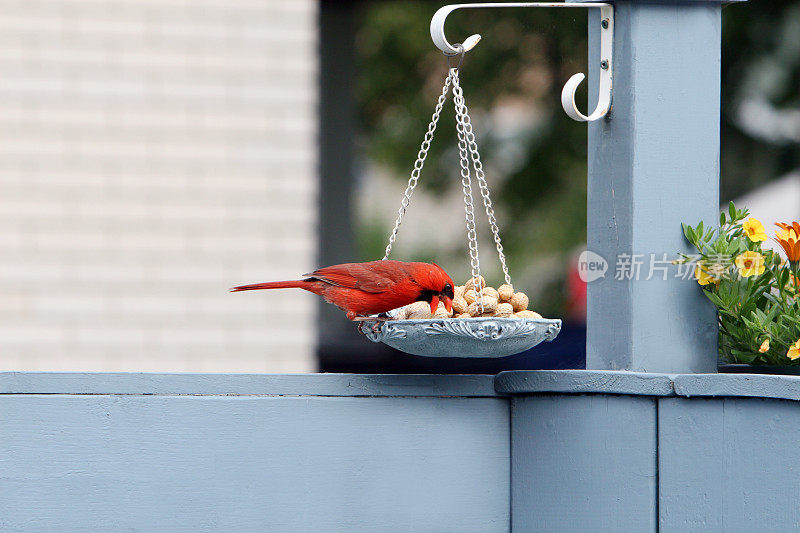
(375,287)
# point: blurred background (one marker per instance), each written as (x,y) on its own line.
(154,153)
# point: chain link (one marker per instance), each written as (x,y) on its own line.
(481,177)
(418,164)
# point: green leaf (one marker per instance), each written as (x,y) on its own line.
(688,233)
(744,357)
(772,314)
(732,210)
(714,299)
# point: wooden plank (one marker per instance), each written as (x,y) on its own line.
(690,464)
(261,384)
(233,463)
(583,463)
(745,385)
(583,381)
(729,464)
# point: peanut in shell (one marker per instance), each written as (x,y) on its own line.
(519,301)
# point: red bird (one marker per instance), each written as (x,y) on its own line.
(375,287)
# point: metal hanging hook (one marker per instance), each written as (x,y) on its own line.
(568,93)
(460,51)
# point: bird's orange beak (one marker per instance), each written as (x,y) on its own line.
(434,304)
(448,304)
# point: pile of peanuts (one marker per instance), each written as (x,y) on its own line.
(501,302)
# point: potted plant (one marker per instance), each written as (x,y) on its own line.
(756,290)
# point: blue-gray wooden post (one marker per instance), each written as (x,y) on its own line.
(653,163)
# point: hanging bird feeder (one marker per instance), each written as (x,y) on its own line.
(476,334)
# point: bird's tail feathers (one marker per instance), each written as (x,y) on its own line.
(292,284)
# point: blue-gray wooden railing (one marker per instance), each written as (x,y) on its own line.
(523,451)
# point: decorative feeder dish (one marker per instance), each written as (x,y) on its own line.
(463,337)
(495,324)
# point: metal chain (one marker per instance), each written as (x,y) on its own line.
(418,164)
(479,174)
(466,183)
(468,149)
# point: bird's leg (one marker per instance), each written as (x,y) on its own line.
(383,317)
(351,315)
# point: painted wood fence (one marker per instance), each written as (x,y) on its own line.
(522,451)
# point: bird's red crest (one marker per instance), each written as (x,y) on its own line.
(439,277)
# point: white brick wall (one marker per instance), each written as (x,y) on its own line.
(154,153)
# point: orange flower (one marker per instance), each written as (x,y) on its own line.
(788,236)
(793,283)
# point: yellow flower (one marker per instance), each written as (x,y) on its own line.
(754,229)
(764,346)
(702,276)
(794,351)
(750,264)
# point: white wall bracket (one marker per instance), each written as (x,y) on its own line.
(568,93)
